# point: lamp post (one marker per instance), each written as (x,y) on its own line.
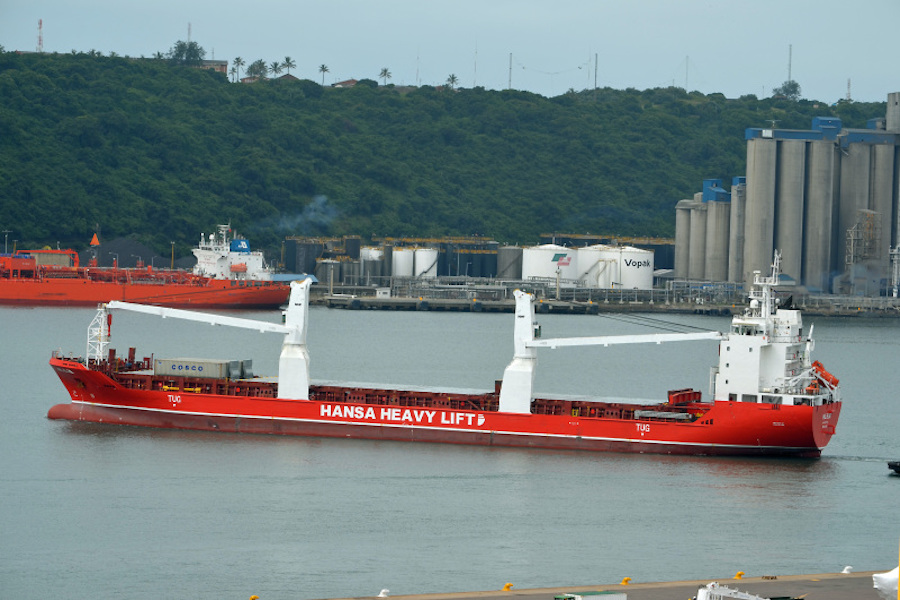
(139,263)
(6,233)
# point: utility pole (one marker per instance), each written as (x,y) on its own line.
(6,233)
(790,58)
(509,85)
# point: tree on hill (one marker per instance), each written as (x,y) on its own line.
(238,63)
(452,80)
(275,68)
(323,69)
(258,69)
(186,53)
(288,64)
(384,75)
(789,89)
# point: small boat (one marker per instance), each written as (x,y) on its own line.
(894,465)
(770,397)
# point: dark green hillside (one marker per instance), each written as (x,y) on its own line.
(164,152)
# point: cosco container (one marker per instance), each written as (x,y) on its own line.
(196,367)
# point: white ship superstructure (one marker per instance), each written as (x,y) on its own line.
(223,256)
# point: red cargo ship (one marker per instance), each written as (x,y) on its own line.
(770,399)
(54,278)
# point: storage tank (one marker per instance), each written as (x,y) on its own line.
(632,268)
(489,262)
(328,271)
(402,261)
(789,209)
(682,237)
(759,227)
(509,263)
(736,230)
(352,245)
(426,262)
(542,262)
(371,271)
(596,267)
(350,272)
(388,265)
(718,223)
(818,257)
(371,253)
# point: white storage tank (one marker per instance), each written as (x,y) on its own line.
(632,267)
(371,253)
(596,267)
(402,261)
(426,262)
(542,262)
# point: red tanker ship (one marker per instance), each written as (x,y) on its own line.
(770,399)
(55,278)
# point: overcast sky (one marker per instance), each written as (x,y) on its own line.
(732,47)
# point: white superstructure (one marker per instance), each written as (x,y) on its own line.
(766,358)
(223,256)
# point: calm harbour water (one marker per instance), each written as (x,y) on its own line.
(92,511)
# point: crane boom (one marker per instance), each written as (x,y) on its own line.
(212,319)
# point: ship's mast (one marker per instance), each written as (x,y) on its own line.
(98,336)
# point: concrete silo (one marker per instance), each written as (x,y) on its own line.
(883,201)
(697,252)
(760,206)
(790,200)
(821,202)
(892,117)
(682,237)
(736,229)
(855,166)
(718,223)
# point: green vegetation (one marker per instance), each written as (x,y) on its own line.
(164,152)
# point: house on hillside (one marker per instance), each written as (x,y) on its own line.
(345,84)
(219,66)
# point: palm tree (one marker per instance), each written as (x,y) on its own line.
(233,72)
(258,69)
(289,64)
(452,80)
(238,63)
(275,68)
(323,69)
(385,75)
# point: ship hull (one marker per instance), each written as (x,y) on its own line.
(83,292)
(726,428)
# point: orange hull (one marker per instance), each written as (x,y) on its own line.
(195,293)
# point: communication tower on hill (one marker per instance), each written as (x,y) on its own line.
(40,44)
